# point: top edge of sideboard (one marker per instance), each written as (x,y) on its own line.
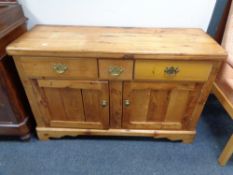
(117,42)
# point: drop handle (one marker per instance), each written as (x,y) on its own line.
(104,103)
(60,68)
(115,71)
(171,71)
(126,103)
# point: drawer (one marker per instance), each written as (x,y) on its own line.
(79,68)
(172,70)
(116,69)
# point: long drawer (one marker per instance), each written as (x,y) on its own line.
(172,70)
(78,68)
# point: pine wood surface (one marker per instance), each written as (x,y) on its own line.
(141,99)
(227,152)
(154,70)
(115,42)
(126,65)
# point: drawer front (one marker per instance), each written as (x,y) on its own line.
(115,69)
(172,70)
(60,67)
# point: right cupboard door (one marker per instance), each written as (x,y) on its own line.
(151,105)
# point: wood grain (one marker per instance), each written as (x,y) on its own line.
(227,152)
(125,65)
(204,93)
(115,89)
(227,104)
(79,68)
(154,108)
(177,105)
(46,133)
(72,101)
(73,106)
(188,71)
(158,104)
(109,42)
(141,101)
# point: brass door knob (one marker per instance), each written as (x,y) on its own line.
(115,71)
(171,71)
(60,68)
(104,103)
(126,103)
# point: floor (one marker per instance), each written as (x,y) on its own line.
(123,156)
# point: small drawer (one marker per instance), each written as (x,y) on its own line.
(115,69)
(79,68)
(172,70)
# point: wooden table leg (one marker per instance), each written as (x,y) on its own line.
(227,152)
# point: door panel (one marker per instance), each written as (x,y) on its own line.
(177,105)
(156,105)
(140,102)
(91,104)
(72,103)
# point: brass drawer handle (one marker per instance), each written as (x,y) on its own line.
(60,68)
(104,103)
(115,70)
(171,71)
(126,103)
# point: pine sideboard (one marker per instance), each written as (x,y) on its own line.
(116,81)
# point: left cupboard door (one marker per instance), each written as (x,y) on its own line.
(73,103)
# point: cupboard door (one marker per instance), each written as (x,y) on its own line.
(74,104)
(157,105)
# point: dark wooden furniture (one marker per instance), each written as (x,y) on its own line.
(13,116)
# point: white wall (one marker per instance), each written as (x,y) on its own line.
(134,13)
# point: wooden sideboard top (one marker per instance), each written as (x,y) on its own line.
(113,42)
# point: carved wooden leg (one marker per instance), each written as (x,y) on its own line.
(227,152)
(42,136)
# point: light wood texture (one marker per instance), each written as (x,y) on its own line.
(188,71)
(173,135)
(43,67)
(74,84)
(32,95)
(115,88)
(80,103)
(87,100)
(227,104)
(76,104)
(110,42)
(125,65)
(227,152)
(191,122)
(154,108)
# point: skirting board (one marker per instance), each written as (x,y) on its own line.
(45,133)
